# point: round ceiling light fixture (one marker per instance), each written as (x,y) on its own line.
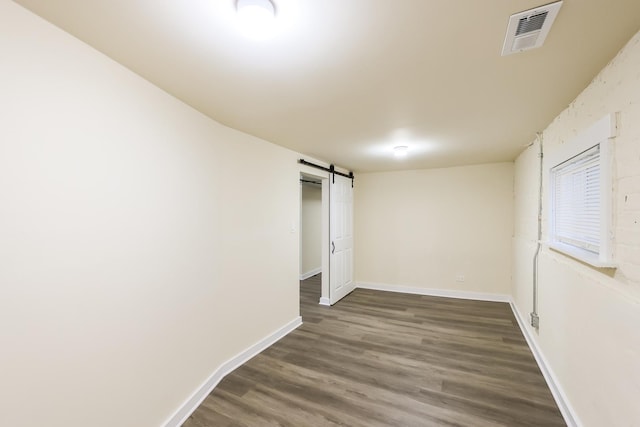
(400,151)
(256,17)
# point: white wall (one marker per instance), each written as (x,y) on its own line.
(141,243)
(422,228)
(311,229)
(589,318)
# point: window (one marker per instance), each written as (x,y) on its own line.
(576,201)
(580,194)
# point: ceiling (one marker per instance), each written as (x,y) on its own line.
(346,81)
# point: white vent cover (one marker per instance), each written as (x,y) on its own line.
(528,29)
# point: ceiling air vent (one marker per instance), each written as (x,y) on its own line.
(528,29)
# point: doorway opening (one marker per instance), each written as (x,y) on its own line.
(336,225)
(314,237)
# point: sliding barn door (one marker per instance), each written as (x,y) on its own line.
(341,235)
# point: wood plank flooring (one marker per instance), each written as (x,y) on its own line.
(387,359)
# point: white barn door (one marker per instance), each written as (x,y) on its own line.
(341,238)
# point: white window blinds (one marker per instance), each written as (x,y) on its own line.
(576,201)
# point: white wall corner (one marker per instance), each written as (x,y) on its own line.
(325,301)
(192,403)
(567,411)
(311,273)
(445,293)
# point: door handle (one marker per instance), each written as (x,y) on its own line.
(333,247)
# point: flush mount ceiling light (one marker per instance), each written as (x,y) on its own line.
(256,17)
(400,151)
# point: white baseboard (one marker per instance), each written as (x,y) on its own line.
(190,405)
(325,301)
(569,415)
(435,292)
(311,273)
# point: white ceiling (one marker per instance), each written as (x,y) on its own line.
(346,80)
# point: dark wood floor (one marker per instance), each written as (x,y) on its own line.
(387,359)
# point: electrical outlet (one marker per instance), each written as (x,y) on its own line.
(460,278)
(535,320)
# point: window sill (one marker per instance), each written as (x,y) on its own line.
(581,255)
